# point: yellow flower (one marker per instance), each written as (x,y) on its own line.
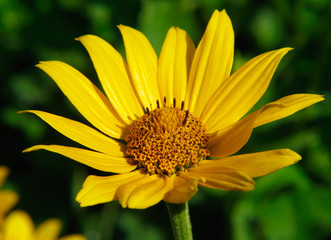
(19,226)
(7,198)
(174,115)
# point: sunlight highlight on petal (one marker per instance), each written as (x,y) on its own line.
(227,179)
(254,164)
(174,64)
(239,93)
(185,187)
(81,133)
(86,97)
(149,194)
(104,189)
(112,72)
(142,61)
(100,161)
(212,62)
(285,106)
(125,190)
(232,139)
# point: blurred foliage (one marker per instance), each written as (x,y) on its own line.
(293,203)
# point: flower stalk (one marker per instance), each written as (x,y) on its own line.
(180,221)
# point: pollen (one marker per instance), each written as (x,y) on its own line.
(167,140)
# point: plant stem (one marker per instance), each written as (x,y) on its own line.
(180,221)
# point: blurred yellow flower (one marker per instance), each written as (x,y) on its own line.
(173,116)
(19,226)
(8,199)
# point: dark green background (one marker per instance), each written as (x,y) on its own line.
(293,203)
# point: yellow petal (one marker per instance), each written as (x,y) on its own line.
(86,97)
(285,106)
(212,61)
(149,193)
(4,171)
(112,72)
(98,190)
(184,188)
(239,93)
(232,139)
(253,164)
(224,178)
(73,237)
(125,190)
(174,64)
(82,133)
(49,230)
(100,161)
(8,199)
(18,226)
(142,61)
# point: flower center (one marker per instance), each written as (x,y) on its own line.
(167,139)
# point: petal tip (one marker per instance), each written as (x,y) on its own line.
(223,12)
(83,37)
(286,50)
(82,204)
(320,97)
(296,156)
(80,200)
(121,26)
(41,64)
(250,187)
(220,13)
(30,149)
(291,153)
(123,204)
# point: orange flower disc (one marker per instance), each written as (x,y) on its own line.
(167,139)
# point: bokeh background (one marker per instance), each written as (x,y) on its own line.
(293,203)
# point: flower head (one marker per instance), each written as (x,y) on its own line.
(19,226)
(181,116)
(8,199)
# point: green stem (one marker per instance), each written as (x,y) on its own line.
(180,221)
